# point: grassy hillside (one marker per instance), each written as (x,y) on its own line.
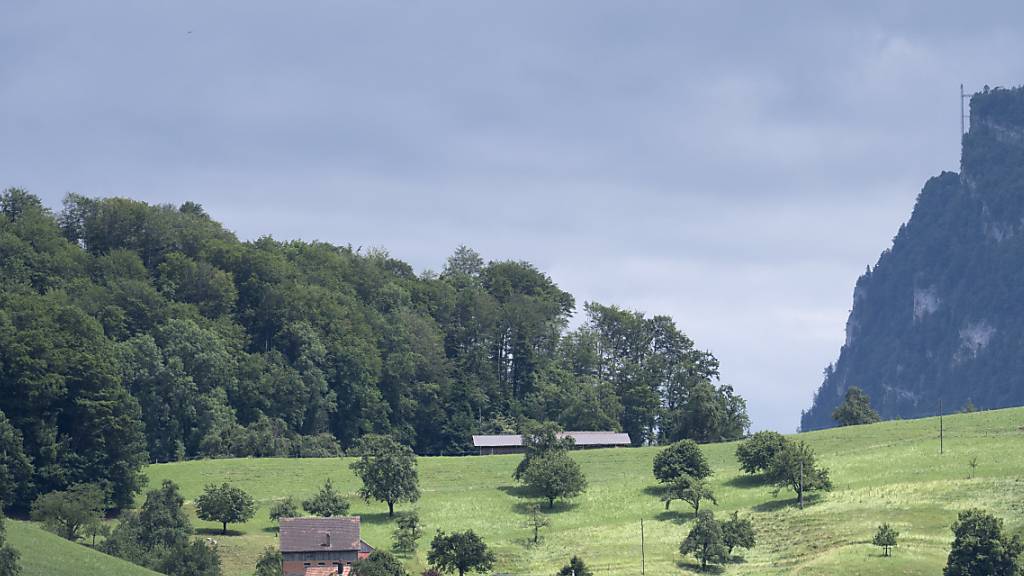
(45,554)
(889,472)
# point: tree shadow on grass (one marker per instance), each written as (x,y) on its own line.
(675,516)
(378,518)
(775,505)
(271,529)
(694,567)
(523,506)
(734,559)
(747,481)
(215,532)
(517,491)
(655,490)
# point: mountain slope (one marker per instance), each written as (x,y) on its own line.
(941,315)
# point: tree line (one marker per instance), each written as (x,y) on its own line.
(134,333)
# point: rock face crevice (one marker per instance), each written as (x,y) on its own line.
(941,314)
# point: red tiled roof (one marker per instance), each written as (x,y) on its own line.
(338,533)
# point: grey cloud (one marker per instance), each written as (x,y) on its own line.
(733,164)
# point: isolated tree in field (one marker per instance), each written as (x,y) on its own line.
(885,538)
(388,471)
(973,465)
(540,438)
(9,557)
(755,454)
(683,457)
(980,546)
(408,532)
(555,475)
(794,467)
(855,409)
(705,541)
(535,520)
(738,533)
(327,502)
(379,563)
(459,552)
(225,504)
(284,509)
(691,490)
(66,513)
(575,567)
(270,562)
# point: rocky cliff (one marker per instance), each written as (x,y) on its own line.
(941,314)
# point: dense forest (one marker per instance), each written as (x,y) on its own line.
(939,317)
(132,333)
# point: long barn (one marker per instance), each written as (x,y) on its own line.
(513,443)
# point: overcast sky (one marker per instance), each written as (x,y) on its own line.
(734,165)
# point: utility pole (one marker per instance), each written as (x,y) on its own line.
(801,484)
(940,426)
(643,558)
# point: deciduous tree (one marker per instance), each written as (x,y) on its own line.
(408,532)
(226,504)
(535,520)
(460,552)
(691,490)
(738,533)
(327,502)
(682,457)
(755,454)
(705,541)
(379,563)
(388,471)
(794,467)
(555,475)
(66,513)
(270,562)
(981,546)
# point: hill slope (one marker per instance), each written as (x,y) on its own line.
(940,315)
(887,472)
(45,554)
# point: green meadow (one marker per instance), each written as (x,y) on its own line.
(888,472)
(43,553)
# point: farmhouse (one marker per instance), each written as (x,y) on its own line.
(513,443)
(321,546)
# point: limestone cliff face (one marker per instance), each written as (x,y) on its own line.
(941,315)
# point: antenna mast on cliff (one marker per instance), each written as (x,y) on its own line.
(963,115)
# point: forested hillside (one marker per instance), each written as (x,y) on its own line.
(133,333)
(941,315)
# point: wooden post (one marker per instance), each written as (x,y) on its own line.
(801,484)
(643,558)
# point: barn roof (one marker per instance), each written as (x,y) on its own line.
(581,438)
(337,533)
